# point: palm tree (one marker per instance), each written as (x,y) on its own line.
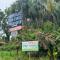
(51,8)
(47,42)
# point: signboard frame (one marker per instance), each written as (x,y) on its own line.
(30,46)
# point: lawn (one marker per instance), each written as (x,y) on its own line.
(12,55)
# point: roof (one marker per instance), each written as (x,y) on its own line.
(16,28)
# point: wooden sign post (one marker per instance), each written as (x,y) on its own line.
(29,55)
(30,46)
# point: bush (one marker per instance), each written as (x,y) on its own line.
(48,26)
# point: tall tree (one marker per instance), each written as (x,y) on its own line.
(4,26)
(6,29)
(1,15)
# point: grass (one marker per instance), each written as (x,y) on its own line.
(7,55)
(12,55)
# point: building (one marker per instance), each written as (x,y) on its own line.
(15,22)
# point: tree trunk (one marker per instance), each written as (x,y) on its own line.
(51,57)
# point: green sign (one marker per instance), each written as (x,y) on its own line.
(30,46)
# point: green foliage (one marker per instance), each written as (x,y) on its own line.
(11,55)
(26,35)
(13,8)
(6,30)
(38,11)
(1,15)
(48,26)
(57,38)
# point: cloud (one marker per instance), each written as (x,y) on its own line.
(6,3)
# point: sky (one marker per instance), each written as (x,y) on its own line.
(6,3)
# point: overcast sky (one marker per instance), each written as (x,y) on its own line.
(6,3)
